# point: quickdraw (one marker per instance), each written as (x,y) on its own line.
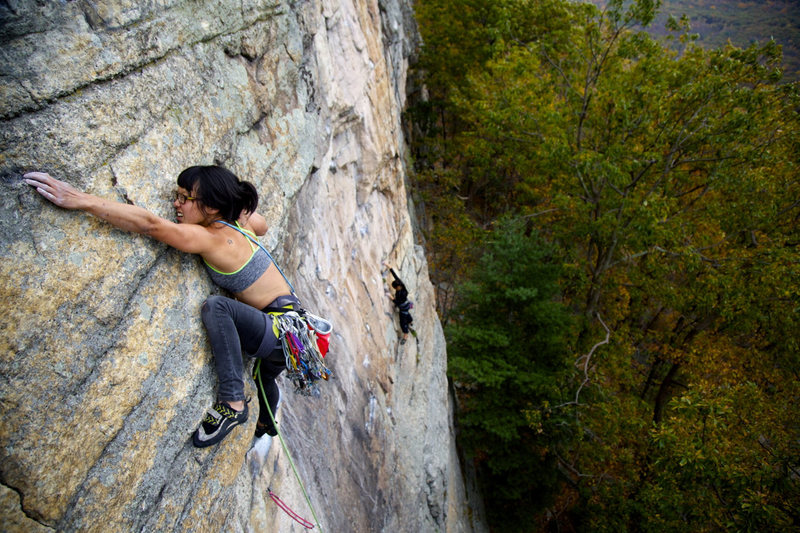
(304,362)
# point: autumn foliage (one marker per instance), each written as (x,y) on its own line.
(661,187)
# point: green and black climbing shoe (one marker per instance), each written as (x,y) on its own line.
(219,421)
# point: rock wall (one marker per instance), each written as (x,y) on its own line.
(105,366)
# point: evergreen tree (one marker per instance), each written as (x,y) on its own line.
(508,352)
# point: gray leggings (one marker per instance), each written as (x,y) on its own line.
(234,327)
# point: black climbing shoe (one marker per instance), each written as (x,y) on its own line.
(219,421)
(267,428)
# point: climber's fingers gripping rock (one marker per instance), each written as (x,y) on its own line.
(60,193)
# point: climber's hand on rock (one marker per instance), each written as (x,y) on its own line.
(255,222)
(60,193)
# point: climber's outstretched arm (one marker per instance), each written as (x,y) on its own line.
(191,238)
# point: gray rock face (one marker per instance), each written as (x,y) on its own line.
(106,370)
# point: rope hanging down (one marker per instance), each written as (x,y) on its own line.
(294,469)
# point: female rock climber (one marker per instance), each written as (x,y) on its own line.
(206,198)
(402,303)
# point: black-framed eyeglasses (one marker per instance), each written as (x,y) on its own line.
(181,198)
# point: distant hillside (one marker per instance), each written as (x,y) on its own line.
(740,22)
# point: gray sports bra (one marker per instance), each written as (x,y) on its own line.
(247,274)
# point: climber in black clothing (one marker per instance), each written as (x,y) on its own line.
(402,303)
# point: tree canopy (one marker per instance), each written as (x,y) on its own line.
(664,185)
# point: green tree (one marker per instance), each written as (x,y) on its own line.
(507,343)
(668,184)
(725,458)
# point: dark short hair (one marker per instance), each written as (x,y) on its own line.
(219,188)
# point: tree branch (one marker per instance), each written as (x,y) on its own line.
(586,360)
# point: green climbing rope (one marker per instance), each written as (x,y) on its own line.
(283,444)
